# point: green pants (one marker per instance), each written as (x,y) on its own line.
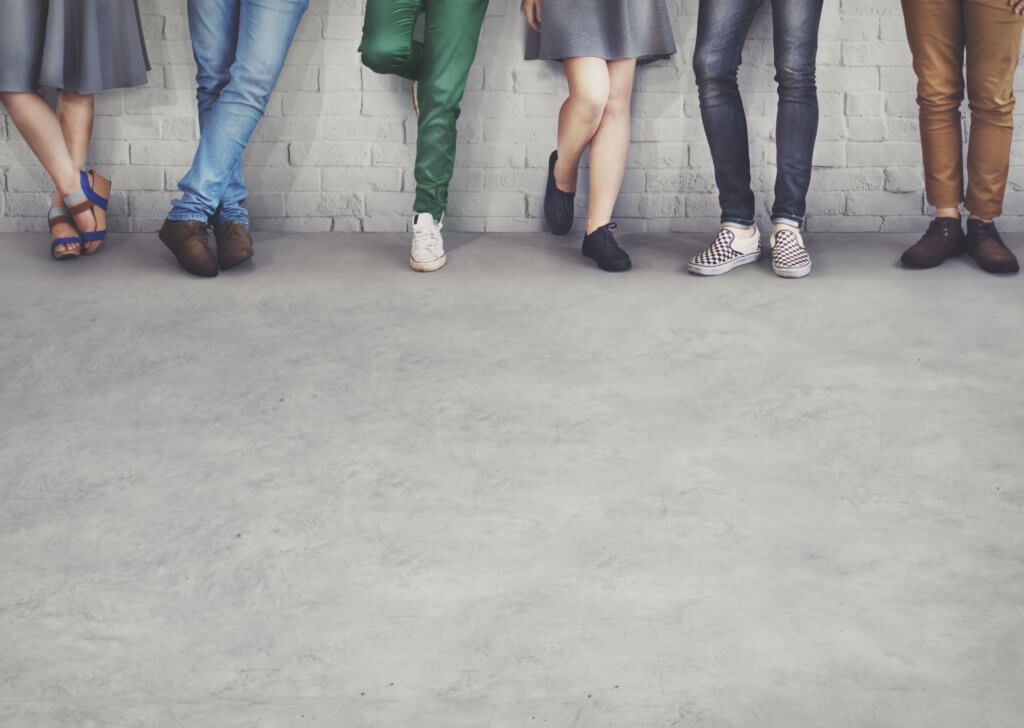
(440,64)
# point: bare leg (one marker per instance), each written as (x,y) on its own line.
(610,148)
(580,116)
(75,112)
(42,132)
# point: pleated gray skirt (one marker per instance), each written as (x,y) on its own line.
(86,46)
(609,29)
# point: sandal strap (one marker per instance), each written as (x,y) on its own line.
(93,195)
(77,202)
(58,215)
(95,236)
(56,211)
(84,199)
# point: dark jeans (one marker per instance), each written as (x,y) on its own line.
(722,28)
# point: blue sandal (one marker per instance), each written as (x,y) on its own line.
(58,216)
(94,196)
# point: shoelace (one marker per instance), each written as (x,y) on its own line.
(940,227)
(988,229)
(433,241)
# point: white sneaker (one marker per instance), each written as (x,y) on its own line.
(789,256)
(726,252)
(427,252)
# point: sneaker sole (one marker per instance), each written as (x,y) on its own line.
(792,272)
(429,266)
(614,268)
(717,270)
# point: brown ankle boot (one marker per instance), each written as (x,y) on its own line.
(988,249)
(234,244)
(188,240)
(943,240)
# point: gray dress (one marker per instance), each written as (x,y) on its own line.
(609,29)
(86,46)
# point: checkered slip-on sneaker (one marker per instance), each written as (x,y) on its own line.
(721,256)
(789,257)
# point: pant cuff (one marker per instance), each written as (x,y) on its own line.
(188,217)
(738,221)
(792,220)
(985,212)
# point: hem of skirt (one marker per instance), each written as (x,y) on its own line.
(640,59)
(94,90)
(45,84)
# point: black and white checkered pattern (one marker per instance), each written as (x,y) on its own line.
(789,258)
(719,252)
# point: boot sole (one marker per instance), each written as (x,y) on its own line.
(925,265)
(231,264)
(717,270)
(613,268)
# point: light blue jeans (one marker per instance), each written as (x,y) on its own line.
(240,47)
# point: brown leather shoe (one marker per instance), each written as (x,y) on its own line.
(988,249)
(943,240)
(234,244)
(188,240)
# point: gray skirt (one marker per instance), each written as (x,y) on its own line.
(86,46)
(609,29)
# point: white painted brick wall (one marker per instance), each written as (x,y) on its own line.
(335,151)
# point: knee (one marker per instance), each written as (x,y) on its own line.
(795,80)
(381,55)
(590,102)
(210,84)
(997,105)
(617,107)
(715,71)
(939,98)
(250,83)
(710,64)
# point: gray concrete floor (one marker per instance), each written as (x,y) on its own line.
(325,490)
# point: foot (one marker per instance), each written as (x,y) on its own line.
(85,220)
(789,256)
(732,247)
(234,244)
(427,251)
(601,247)
(943,240)
(559,206)
(988,249)
(189,241)
(63,229)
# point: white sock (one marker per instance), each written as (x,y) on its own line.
(746,237)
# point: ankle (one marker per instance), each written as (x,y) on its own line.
(742,232)
(564,182)
(67,187)
(593,227)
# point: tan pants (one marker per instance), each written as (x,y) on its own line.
(940,32)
